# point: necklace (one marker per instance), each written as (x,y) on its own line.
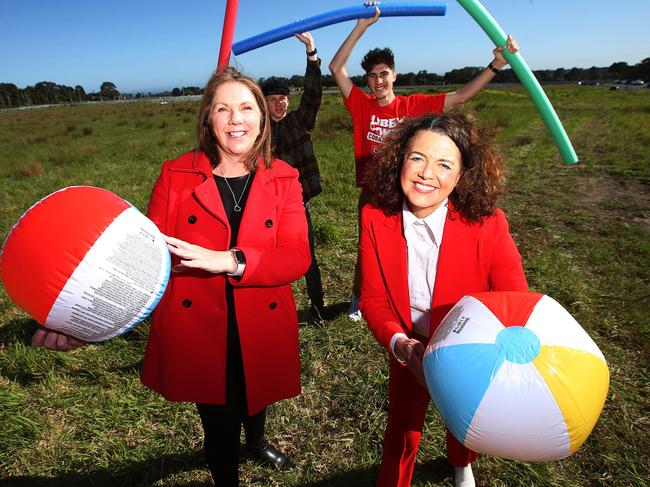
(237,208)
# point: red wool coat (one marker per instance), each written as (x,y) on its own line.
(472,258)
(185,359)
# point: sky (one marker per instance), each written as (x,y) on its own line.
(153,45)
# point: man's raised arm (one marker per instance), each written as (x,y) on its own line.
(468,91)
(337,65)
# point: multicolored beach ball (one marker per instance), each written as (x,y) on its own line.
(85,262)
(515,376)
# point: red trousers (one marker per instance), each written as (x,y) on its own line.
(407,408)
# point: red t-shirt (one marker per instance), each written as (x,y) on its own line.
(371,121)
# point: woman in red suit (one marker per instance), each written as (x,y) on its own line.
(432,234)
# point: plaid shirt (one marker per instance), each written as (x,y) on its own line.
(291,136)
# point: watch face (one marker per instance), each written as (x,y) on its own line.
(239,256)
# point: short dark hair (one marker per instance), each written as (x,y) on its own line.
(482,178)
(208,143)
(378,56)
(275,86)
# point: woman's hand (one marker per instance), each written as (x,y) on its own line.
(499,60)
(55,340)
(365,23)
(411,351)
(196,257)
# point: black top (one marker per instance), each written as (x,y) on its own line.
(235,384)
(241,187)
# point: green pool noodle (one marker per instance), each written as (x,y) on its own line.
(527,78)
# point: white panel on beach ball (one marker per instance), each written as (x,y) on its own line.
(85,262)
(515,376)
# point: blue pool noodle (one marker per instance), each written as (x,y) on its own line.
(336,16)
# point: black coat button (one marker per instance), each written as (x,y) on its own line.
(187,303)
(268,223)
(191,219)
(273,305)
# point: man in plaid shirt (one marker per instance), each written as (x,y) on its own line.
(291,139)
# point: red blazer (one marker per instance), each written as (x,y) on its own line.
(185,359)
(472,258)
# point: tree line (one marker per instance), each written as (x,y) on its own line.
(47,92)
(617,71)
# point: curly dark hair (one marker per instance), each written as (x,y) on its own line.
(378,56)
(482,178)
(208,143)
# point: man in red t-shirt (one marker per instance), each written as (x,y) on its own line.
(377,113)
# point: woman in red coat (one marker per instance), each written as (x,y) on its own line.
(225,335)
(432,234)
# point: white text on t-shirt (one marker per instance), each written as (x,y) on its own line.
(380,127)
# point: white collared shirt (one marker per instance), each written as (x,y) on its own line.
(423,239)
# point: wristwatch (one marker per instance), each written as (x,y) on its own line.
(240,260)
(492,68)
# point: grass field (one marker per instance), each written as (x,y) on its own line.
(83,418)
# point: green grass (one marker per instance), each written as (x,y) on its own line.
(83,418)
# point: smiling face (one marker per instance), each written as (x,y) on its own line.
(380,81)
(235,119)
(278,105)
(430,171)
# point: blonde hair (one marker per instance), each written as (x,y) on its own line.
(206,140)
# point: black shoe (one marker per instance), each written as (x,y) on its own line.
(266,454)
(315,314)
(321,313)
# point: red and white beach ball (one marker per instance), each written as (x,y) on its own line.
(515,376)
(85,262)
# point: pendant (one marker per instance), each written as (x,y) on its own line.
(237,208)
